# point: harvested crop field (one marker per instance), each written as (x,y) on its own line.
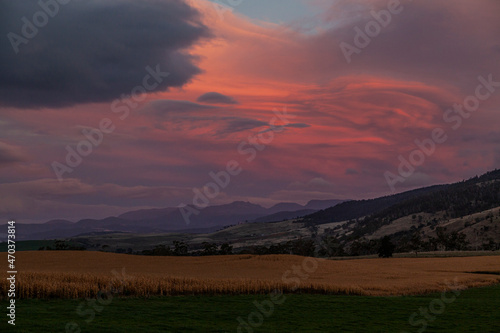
(84,274)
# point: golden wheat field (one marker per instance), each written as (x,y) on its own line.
(85,274)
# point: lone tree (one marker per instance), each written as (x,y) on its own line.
(386,248)
(416,243)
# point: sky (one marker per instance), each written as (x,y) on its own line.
(111,106)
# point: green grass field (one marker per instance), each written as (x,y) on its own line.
(474,310)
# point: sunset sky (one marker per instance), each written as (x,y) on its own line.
(231,70)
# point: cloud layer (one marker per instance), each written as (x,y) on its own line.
(216,98)
(347,125)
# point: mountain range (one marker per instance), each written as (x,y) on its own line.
(428,207)
(161,220)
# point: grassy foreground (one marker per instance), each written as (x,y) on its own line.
(473,310)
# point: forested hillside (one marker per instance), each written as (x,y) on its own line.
(456,200)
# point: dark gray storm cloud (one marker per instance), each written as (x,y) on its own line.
(93,51)
(216,98)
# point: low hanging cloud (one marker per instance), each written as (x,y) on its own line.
(9,154)
(162,107)
(92,51)
(216,98)
(219,120)
(43,199)
(234,125)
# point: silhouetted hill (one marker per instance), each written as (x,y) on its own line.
(161,220)
(358,208)
(59,222)
(284,206)
(147,213)
(280,216)
(464,198)
(322,204)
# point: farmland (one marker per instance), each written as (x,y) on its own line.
(474,310)
(71,274)
(240,236)
(67,291)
